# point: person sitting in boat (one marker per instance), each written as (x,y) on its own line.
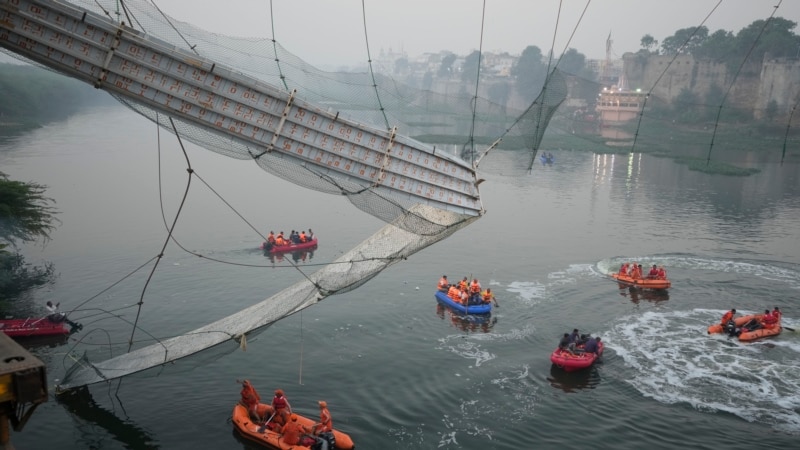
(768,320)
(325,424)
(55,316)
(623,270)
(488,296)
(303,237)
(662,273)
(653,274)
(565,345)
(293,431)
(444,285)
(271,238)
(463,284)
(575,338)
(591,345)
(280,240)
(281,407)
(464,299)
(250,399)
(727,317)
(777,313)
(454,293)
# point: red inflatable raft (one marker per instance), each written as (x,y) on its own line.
(577,361)
(645,283)
(289,248)
(746,335)
(40,326)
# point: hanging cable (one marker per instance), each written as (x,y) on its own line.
(735,76)
(477,85)
(275,47)
(677,53)
(372,72)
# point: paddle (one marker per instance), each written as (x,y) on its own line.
(264,426)
(790,329)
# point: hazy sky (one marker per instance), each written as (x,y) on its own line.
(330,33)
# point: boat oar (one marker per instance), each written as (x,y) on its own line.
(790,329)
(264,426)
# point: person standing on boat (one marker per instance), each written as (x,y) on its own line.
(303,237)
(728,316)
(310,235)
(281,407)
(271,238)
(250,399)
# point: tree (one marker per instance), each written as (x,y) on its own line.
(446,68)
(530,72)
(572,62)
(648,43)
(25,215)
(469,72)
(718,47)
(684,41)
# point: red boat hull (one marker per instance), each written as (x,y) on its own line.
(571,362)
(312,244)
(40,326)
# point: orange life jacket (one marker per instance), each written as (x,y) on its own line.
(271,238)
(726,317)
(250,397)
(280,240)
(303,237)
(474,288)
(292,432)
(325,422)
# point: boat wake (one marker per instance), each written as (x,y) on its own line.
(673,360)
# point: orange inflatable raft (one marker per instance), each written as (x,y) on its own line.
(645,283)
(255,431)
(747,336)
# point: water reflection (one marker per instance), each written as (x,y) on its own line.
(298,257)
(638,294)
(466,322)
(79,401)
(578,380)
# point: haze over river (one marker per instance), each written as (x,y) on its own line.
(398,372)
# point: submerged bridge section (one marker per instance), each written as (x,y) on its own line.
(267,120)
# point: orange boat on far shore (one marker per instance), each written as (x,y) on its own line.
(645,283)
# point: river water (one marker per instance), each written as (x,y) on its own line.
(396,370)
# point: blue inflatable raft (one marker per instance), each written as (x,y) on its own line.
(483,308)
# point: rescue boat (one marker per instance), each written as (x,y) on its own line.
(41,326)
(575,361)
(267,247)
(744,334)
(739,321)
(482,308)
(645,283)
(256,431)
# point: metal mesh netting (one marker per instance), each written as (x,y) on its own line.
(377,103)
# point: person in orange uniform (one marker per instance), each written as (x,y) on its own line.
(662,273)
(488,297)
(280,240)
(303,237)
(777,313)
(293,431)
(325,424)
(623,270)
(768,320)
(271,238)
(728,316)
(653,274)
(250,399)
(281,407)
(463,284)
(454,293)
(637,272)
(444,285)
